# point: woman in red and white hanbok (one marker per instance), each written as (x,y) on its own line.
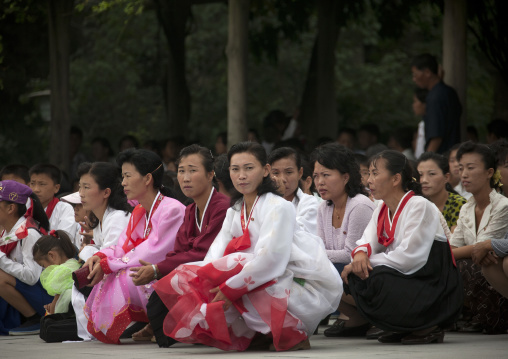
(276,276)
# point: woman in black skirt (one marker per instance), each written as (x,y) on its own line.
(403,278)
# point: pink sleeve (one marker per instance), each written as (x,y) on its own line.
(165,224)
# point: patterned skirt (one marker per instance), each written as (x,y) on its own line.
(487,306)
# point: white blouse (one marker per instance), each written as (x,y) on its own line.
(106,234)
(63,219)
(494,222)
(419,224)
(20,263)
(306,211)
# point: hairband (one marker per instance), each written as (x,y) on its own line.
(53,233)
(156,168)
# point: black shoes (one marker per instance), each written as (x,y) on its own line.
(339,329)
(374,333)
(435,336)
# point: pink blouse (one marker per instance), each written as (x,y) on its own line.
(339,242)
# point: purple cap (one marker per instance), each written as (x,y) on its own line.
(12,191)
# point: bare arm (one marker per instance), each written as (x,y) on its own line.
(462,252)
(434,144)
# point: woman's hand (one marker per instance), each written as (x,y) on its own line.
(143,275)
(90,262)
(345,272)
(490,258)
(86,230)
(480,251)
(279,183)
(361,265)
(221,297)
(96,273)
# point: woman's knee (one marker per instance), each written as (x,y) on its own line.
(505,266)
(6,280)
(494,271)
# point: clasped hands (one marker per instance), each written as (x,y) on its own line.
(483,255)
(360,267)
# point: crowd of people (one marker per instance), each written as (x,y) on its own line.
(253,248)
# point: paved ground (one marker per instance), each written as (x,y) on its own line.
(456,345)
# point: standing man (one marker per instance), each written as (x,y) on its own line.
(442,118)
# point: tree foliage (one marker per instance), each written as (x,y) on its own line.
(119,54)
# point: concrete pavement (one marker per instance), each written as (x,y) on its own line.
(456,345)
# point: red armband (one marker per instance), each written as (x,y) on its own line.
(360,248)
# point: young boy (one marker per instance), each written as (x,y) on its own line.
(83,236)
(18,173)
(45,183)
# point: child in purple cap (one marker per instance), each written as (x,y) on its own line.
(21,294)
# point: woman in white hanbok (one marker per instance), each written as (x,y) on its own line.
(286,169)
(262,274)
(102,194)
(403,276)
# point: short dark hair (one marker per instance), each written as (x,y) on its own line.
(340,158)
(396,162)
(104,143)
(286,152)
(498,127)
(404,136)
(146,162)
(76,131)
(500,148)
(221,168)
(425,61)
(486,153)
(307,172)
(441,161)
(130,138)
(223,137)
(361,159)
(347,130)
(195,149)
(17,170)
(106,175)
(371,128)
(48,169)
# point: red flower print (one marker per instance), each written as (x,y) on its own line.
(248,280)
(239,258)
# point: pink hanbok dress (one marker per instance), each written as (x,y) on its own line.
(115,301)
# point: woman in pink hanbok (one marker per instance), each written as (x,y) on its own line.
(115,301)
(263,276)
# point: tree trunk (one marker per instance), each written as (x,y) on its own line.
(173,16)
(455,53)
(500,96)
(237,50)
(318,109)
(59,12)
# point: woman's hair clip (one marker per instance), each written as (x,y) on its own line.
(156,168)
(414,179)
(211,155)
(53,233)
